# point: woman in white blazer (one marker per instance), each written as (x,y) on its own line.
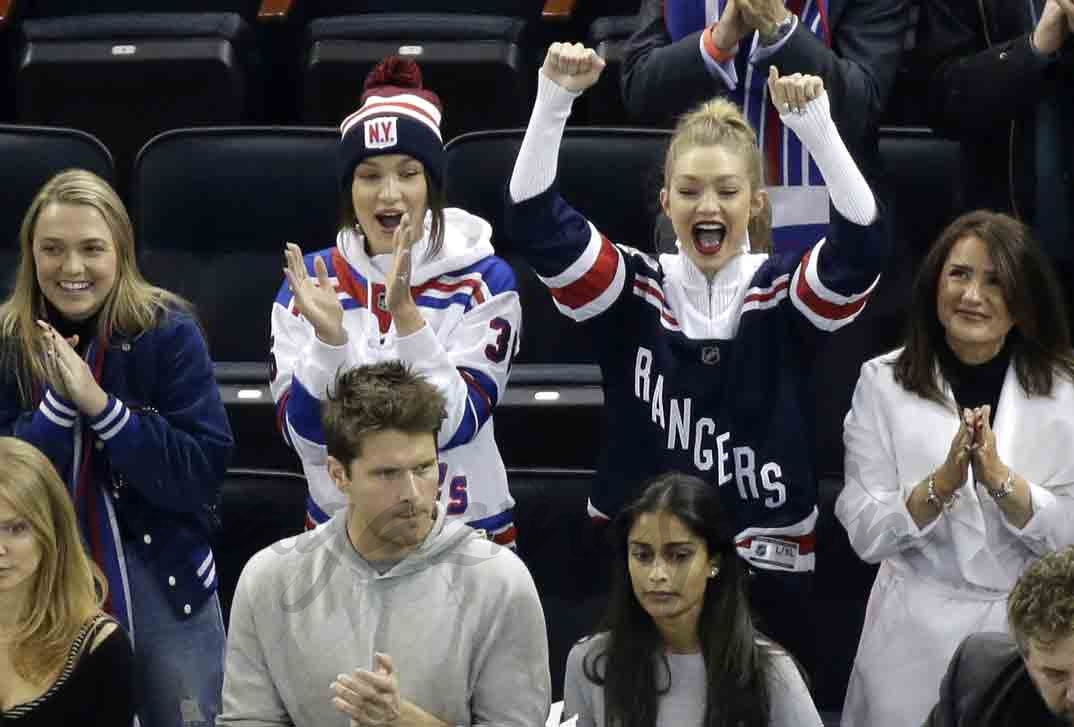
(959,461)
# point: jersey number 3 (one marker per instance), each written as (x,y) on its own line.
(497,352)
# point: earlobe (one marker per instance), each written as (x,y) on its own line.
(758,202)
(338,473)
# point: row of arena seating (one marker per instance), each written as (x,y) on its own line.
(213,208)
(126,70)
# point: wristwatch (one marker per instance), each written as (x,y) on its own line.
(1005,489)
(781,30)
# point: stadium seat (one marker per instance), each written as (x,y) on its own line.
(604,102)
(565,553)
(257,508)
(478,60)
(213,209)
(124,74)
(31,156)
(840,593)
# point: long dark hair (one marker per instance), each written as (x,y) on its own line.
(1040,338)
(735,663)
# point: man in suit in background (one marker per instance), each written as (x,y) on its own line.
(1026,678)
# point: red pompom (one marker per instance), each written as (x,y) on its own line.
(394,71)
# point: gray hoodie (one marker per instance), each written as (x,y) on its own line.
(459,617)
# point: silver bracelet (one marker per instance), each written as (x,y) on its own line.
(1005,489)
(934,499)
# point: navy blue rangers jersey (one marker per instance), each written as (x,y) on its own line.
(707,377)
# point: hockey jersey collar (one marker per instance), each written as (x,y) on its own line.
(705,308)
(467,240)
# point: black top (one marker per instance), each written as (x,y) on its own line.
(976,385)
(86,330)
(95,688)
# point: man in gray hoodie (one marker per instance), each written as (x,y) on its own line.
(385,614)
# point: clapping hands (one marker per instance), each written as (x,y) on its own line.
(69,374)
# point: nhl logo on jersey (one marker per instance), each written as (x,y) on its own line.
(381,132)
(710,355)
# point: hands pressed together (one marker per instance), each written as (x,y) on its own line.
(1055,26)
(974,445)
(369,698)
(741,17)
(69,374)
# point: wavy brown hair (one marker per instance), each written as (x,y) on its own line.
(631,665)
(1040,338)
(375,397)
(1040,609)
(68,589)
(132,307)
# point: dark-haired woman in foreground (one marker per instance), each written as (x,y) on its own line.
(678,646)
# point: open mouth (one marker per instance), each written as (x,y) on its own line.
(389,220)
(708,237)
(75,287)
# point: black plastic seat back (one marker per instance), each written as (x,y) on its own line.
(475,63)
(214,208)
(257,508)
(32,155)
(565,553)
(128,76)
(608,36)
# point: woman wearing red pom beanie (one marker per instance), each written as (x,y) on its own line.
(407,279)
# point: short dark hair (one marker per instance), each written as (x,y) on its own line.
(1040,608)
(377,397)
(1040,337)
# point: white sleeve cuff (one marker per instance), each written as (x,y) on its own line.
(1042,500)
(420,347)
(318,369)
(726,72)
(538,157)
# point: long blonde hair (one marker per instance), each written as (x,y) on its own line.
(720,122)
(132,307)
(68,589)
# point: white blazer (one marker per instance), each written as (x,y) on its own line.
(940,583)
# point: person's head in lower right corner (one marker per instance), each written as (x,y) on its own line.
(1040,612)
(713,189)
(381,423)
(679,587)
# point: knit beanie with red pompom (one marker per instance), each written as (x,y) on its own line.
(397,116)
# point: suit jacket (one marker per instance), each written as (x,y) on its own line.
(984,84)
(987,685)
(662,79)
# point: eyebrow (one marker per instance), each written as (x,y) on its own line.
(675,544)
(77,242)
(718,178)
(11,521)
(969,268)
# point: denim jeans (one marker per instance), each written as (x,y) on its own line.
(178,663)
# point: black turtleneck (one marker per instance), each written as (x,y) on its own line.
(85,330)
(975,385)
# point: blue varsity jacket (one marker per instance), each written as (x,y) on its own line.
(160,448)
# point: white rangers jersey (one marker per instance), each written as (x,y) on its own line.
(469,300)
